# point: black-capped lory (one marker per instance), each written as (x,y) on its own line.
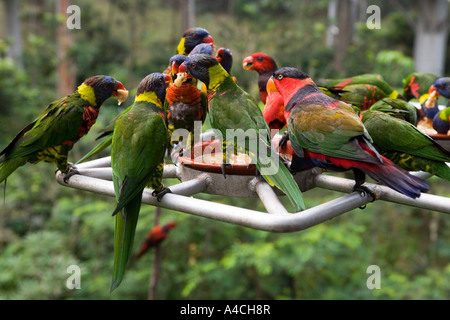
(54,132)
(330,134)
(137,159)
(234,111)
(265,66)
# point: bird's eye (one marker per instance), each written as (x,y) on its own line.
(259,59)
(195,36)
(106,86)
(193,65)
(280,77)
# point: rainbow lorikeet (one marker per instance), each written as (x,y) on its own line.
(139,143)
(206,48)
(441,120)
(417,84)
(233,110)
(367,78)
(362,96)
(225,58)
(192,37)
(404,144)
(397,108)
(265,66)
(330,133)
(54,132)
(154,237)
(185,103)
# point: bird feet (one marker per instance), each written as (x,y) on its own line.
(71,170)
(224,166)
(160,194)
(363,190)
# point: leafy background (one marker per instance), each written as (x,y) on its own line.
(44,227)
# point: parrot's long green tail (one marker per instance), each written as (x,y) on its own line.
(9,166)
(125,228)
(101,146)
(276,174)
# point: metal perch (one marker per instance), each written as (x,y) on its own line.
(95,176)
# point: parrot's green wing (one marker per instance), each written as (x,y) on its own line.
(56,125)
(392,134)
(328,131)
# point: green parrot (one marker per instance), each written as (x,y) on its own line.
(417,84)
(139,143)
(231,108)
(405,145)
(367,78)
(397,108)
(54,132)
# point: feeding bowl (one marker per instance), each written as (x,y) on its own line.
(240,174)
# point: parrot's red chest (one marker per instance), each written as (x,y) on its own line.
(90,115)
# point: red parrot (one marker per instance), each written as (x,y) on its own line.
(265,65)
(274,111)
(155,237)
(329,133)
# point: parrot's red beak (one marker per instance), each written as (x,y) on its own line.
(120,92)
(168,80)
(219,55)
(209,39)
(182,68)
(433,89)
(270,86)
(247,63)
(174,67)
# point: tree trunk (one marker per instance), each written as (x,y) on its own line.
(14,33)
(344,33)
(66,66)
(187,10)
(431,33)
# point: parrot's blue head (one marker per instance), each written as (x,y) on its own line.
(155,82)
(225,58)
(105,87)
(442,86)
(193,37)
(198,66)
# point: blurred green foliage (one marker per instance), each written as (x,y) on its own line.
(45,228)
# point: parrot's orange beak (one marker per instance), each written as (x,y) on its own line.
(270,86)
(433,89)
(168,80)
(219,55)
(247,63)
(209,39)
(120,92)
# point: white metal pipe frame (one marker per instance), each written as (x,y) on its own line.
(96,175)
